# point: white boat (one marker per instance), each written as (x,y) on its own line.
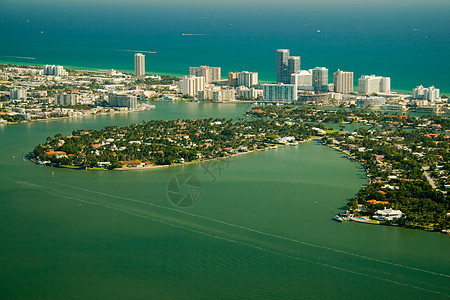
(338,218)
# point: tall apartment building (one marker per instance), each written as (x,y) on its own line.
(282,61)
(286,65)
(280,92)
(368,84)
(139,64)
(66,99)
(343,82)
(247,79)
(18,94)
(430,94)
(55,70)
(211,74)
(123,100)
(217,95)
(233,79)
(293,65)
(320,79)
(191,85)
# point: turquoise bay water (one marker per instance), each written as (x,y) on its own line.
(409,42)
(261,229)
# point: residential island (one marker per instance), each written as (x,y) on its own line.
(164,143)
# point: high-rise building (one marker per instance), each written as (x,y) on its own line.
(286,65)
(430,93)
(211,74)
(66,99)
(123,100)
(302,79)
(320,79)
(18,94)
(55,70)
(139,64)
(280,92)
(233,79)
(191,85)
(343,82)
(247,79)
(293,66)
(374,84)
(282,65)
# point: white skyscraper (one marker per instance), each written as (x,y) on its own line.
(280,92)
(191,85)
(139,64)
(374,84)
(430,94)
(343,82)
(211,74)
(247,79)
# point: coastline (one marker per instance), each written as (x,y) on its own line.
(130,71)
(70,117)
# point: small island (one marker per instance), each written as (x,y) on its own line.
(164,143)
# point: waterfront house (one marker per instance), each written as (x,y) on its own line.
(388,214)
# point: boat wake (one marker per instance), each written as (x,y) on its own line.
(19,57)
(257,231)
(141,51)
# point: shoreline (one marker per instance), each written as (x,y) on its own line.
(101,70)
(73,117)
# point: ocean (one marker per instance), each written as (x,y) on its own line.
(407,41)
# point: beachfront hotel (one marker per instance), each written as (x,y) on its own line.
(368,84)
(139,64)
(343,82)
(430,94)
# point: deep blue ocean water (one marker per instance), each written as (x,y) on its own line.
(405,40)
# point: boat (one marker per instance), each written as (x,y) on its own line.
(338,218)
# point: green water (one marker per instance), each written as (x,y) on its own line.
(261,228)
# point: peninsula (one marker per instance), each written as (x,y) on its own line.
(406,159)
